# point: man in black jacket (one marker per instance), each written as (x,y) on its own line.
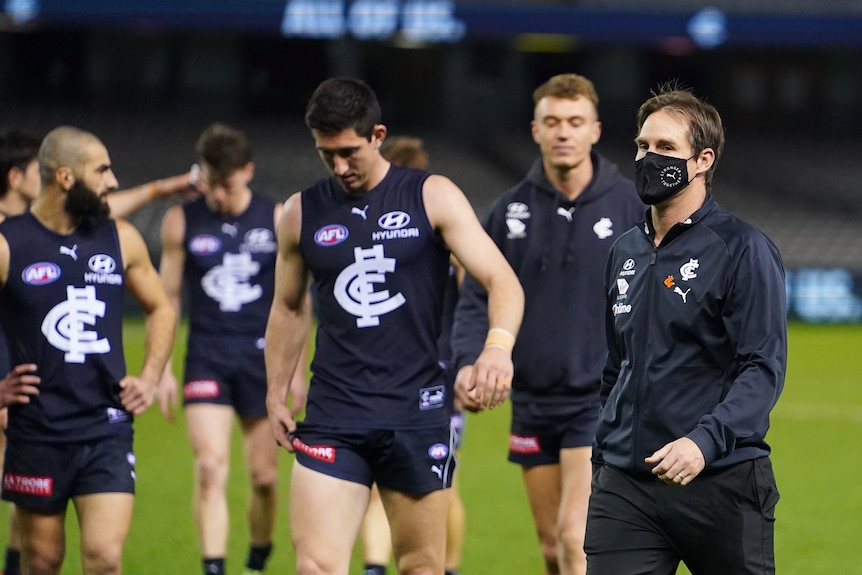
(555,228)
(697,341)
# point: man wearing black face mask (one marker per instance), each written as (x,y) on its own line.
(697,342)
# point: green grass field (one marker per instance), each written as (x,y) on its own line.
(815,437)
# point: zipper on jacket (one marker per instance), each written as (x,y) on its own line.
(644,342)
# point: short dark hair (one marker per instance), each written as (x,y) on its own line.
(339,104)
(17,150)
(705,129)
(224,148)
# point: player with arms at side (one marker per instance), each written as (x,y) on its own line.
(223,246)
(376,240)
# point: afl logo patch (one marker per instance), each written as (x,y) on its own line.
(393,220)
(41,273)
(438,451)
(204,244)
(330,235)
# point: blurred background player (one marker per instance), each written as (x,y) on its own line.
(222,247)
(375,533)
(555,228)
(74,442)
(19,185)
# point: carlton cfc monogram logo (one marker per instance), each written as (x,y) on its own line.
(65,325)
(354,287)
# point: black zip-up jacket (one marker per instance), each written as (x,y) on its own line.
(697,339)
(558,249)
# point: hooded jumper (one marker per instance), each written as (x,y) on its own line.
(558,248)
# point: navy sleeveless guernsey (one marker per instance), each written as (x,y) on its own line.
(62,309)
(380,273)
(230,268)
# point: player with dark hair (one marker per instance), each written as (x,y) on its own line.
(375,239)
(222,246)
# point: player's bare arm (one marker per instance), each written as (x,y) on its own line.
(124,202)
(171,272)
(143,282)
(451,214)
(289,321)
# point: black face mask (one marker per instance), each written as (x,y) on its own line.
(659,178)
(87,208)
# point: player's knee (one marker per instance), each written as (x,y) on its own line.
(420,563)
(306,565)
(211,472)
(548,543)
(571,537)
(263,480)
(44,561)
(101,561)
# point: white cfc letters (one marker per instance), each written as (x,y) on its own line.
(65,325)
(228,283)
(354,287)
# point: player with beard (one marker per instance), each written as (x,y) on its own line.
(19,185)
(64,267)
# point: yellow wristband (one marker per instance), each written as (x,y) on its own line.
(152,191)
(499,337)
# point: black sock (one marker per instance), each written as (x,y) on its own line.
(374,569)
(13,562)
(257,556)
(453,572)
(214,566)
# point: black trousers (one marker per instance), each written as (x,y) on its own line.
(722,523)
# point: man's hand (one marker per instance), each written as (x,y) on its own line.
(281,421)
(136,394)
(464,394)
(167,394)
(489,381)
(678,462)
(19,384)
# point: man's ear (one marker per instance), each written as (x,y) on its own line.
(64,177)
(13,178)
(378,134)
(705,159)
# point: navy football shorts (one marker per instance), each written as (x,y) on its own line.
(43,476)
(407,460)
(540,430)
(226,371)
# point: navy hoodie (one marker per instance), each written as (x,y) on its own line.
(558,249)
